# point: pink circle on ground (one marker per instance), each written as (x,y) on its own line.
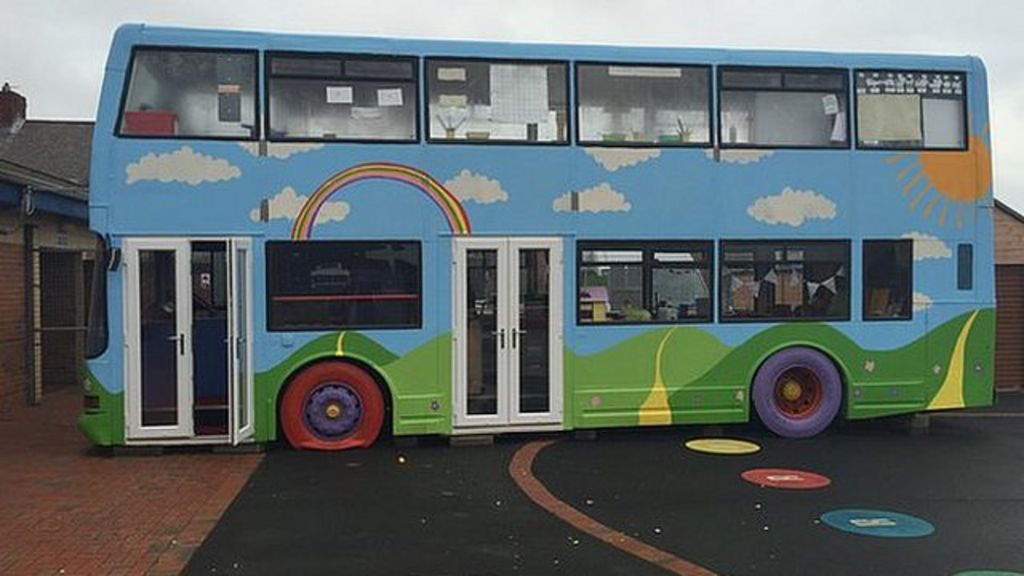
(783,478)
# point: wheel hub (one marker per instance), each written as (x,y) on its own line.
(798,393)
(791,390)
(333,410)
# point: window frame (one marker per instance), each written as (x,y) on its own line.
(785,242)
(864,284)
(269,295)
(428,139)
(712,117)
(722,69)
(922,148)
(647,263)
(342,56)
(257,129)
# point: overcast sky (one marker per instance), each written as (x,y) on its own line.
(53,51)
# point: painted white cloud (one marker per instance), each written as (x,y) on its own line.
(280,150)
(739,156)
(182,165)
(792,207)
(476,187)
(927,246)
(286,205)
(922,301)
(600,198)
(614,158)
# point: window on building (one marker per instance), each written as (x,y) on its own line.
(315,285)
(779,107)
(777,280)
(504,101)
(888,279)
(964,267)
(339,97)
(191,94)
(659,105)
(631,282)
(911,110)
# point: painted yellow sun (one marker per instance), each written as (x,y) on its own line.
(950,178)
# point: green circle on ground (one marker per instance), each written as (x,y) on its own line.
(722,446)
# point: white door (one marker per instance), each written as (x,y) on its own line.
(158,333)
(188,332)
(240,338)
(508,333)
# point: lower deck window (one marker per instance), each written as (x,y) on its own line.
(888,265)
(316,285)
(785,280)
(629,282)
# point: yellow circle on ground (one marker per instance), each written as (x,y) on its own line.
(722,446)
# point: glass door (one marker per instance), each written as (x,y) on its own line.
(240,339)
(508,332)
(158,330)
(188,326)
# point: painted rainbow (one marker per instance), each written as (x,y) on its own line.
(449,205)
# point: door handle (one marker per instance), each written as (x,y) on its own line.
(181,342)
(501,336)
(516,332)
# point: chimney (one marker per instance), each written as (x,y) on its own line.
(12,109)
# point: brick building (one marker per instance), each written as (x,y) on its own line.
(46,250)
(1009,228)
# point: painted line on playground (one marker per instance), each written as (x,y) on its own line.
(521,470)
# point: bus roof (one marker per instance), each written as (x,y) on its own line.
(129,35)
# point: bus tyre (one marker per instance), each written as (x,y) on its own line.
(332,406)
(797,392)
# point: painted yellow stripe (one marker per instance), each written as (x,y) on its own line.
(951,393)
(338,349)
(655,409)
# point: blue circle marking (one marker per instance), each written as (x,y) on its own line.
(880,523)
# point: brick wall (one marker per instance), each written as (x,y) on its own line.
(1009,238)
(12,323)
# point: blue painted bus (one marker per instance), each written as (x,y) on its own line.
(329,238)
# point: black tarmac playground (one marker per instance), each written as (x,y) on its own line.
(639,502)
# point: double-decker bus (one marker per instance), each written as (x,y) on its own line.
(329,238)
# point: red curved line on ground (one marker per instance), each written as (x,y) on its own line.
(521,470)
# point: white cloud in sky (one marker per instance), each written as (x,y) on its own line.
(183,165)
(792,207)
(927,246)
(476,187)
(287,203)
(600,198)
(615,158)
(922,301)
(739,156)
(280,150)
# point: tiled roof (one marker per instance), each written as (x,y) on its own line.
(50,149)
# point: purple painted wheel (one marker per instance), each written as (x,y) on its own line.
(797,392)
(332,411)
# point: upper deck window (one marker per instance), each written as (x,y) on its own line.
(337,97)
(184,93)
(659,105)
(504,101)
(911,110)
(801,108)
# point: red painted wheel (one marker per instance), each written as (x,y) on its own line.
(332,406)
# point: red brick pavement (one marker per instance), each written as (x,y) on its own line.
(66,510)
